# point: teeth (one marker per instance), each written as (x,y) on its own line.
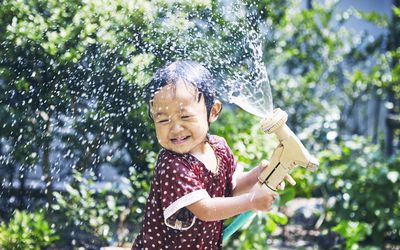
(180,138)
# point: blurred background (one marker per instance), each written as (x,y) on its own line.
(77,148)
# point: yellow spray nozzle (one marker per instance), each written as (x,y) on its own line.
(289,153)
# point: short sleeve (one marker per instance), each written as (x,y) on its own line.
(180,187)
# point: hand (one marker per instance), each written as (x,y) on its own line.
(281,186)
(262,197)
(263,164)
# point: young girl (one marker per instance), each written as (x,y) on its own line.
(197,183)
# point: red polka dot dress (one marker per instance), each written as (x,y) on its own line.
(181,180)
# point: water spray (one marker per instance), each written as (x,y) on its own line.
(254,95)
(247,85)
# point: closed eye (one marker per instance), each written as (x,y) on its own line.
(185,117)
(163,121)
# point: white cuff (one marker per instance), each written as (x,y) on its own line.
(181,203)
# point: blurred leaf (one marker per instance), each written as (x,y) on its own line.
(279,218)
(374,17)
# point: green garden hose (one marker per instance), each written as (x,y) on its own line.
(236,224)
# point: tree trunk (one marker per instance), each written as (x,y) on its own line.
(46,162)
(22,178)
(376,118)
(309,4)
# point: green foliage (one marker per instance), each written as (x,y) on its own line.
(353,232)
(110,213)
(97,212)
(365,186)
(355,172)
(373,17)
(244,135)
(73,71)
(61,57)
(256,231)
(26,231)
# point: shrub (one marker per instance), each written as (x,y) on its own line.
(26,231)
(365,185)
(352,232)
(109,215)
(92,215)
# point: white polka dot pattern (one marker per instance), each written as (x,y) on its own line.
(179,180)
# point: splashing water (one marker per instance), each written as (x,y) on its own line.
(251,90)
(235,58)
(90,111)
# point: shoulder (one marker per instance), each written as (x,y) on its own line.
(219,142)
(216,139)
(222,149)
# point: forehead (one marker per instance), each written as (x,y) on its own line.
(181,95)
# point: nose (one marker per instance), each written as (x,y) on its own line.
(176,127)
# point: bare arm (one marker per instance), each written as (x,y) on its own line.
(248,194)
(246,180)
(219,208)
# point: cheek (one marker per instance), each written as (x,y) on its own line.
(160,133)
(200,128)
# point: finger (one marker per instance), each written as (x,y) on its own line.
(274,195)
(264,163)
(290,180)
(281,186)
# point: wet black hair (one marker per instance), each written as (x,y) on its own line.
(188,71)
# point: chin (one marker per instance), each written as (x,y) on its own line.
(176,150)
(179,151)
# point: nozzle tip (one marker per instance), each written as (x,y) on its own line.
(313,164)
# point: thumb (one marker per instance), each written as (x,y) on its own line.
(263,164)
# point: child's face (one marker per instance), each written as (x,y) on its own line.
(180,119)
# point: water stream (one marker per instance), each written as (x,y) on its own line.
(236,58)
(251,90)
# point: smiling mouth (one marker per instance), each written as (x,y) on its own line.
(180,140)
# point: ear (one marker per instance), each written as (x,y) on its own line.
(215,110)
